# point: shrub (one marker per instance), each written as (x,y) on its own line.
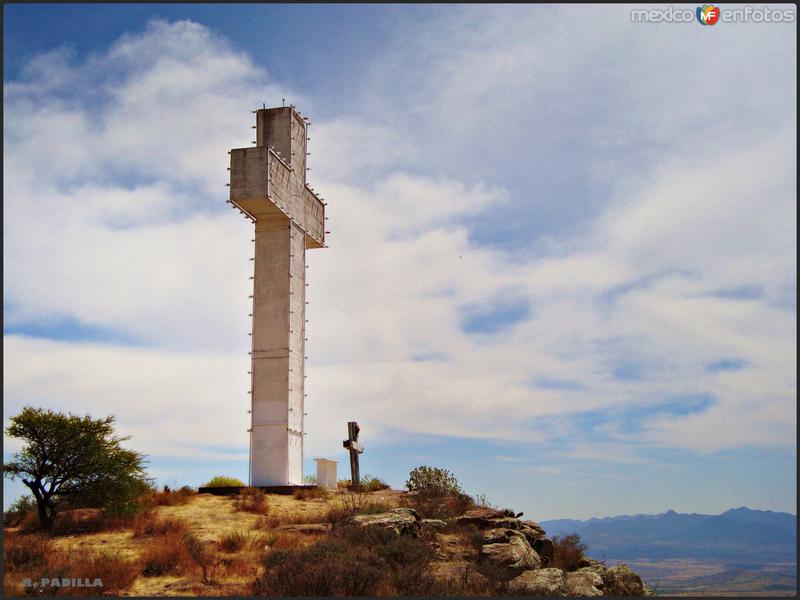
(163,556)
(252,500)
(309,493)
(352,562)
(310,479)
(224,481)
(434,481)
(88,520)
(481,501)
(25,551)
(436,494)
(434,506)
(148,524)
(167,497)
(203,555)
(370,483)
(353,503)
(19,509)
(234,541)
(569,550)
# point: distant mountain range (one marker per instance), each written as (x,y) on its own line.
(741,536)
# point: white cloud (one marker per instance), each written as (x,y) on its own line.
(114,218)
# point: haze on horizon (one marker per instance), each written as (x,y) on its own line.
(562,252)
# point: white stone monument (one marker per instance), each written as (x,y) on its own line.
(268,184)
(326,473)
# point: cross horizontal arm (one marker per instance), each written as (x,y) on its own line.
(353,446)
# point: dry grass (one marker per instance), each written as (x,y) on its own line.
(165,555)
(352,562)
(148,555)
(117,574)
(252,500)
(168,497)
(315,493)
(22,552)
(234,541)
(33,557)
(148,524)
(87,520)
(203,556)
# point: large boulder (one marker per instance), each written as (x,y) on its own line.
(489,518)
(403,521)
(621,581)
(583,583)
(539,582)
(506,553)
(596,567)
(545,548)
(433,524)
(533,528)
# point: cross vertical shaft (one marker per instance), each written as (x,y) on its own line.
(351,443)
(268,185)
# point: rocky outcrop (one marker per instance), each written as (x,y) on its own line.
(593,566)
(583,583)
(621,581)
(545,549)
(432,524)
(518,553)
(403,521)
(532,529)
(540,582)
(489,518)
(505,553)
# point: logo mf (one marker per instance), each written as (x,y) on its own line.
(708,14)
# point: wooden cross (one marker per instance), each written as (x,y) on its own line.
(351,443)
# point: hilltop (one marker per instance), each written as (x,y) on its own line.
(314,543)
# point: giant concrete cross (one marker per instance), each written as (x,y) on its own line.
(268,184)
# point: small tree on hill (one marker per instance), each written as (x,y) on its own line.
(68,457)
(434,481)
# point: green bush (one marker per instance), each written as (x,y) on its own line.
(93,468)
(434,481)
(223,481)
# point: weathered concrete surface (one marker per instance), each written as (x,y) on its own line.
(268,184)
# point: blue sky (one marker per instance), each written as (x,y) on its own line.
(562,260)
